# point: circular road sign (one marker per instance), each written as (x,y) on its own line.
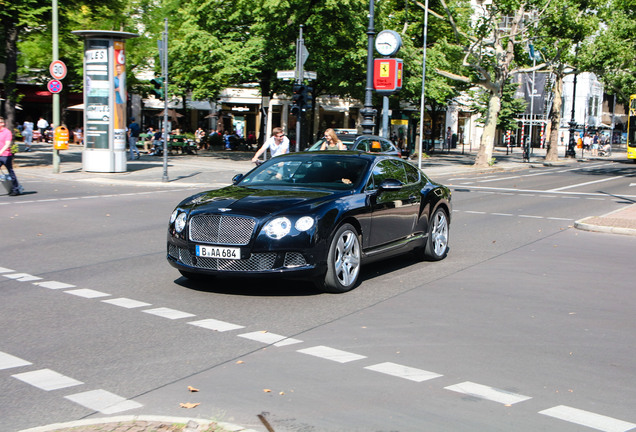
(54,86)
(58,69)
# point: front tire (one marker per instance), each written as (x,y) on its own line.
(343,261)
(436,247)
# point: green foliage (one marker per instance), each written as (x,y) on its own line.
(511,107)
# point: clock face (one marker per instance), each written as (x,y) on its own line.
(388,42)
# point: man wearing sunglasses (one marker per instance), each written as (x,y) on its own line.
(277,144)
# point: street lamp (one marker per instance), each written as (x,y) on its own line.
(570,152)
(368,112)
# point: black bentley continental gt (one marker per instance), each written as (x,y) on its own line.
(312,215)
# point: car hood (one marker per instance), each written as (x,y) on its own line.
(257,202)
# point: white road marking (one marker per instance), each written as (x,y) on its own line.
(561,194)
(103,401)
(501,214)
(22,277)
(406,372)
(586,183)
(332,354)
(488,393)
(589,419)
(126,303)
(531,216)
(54,285)
(46,379)
(87,293)
(270,338)
(6,270)
(168,313)
(212,324)
(7,361)
(474,212)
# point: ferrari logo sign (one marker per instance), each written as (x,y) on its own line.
(387,75)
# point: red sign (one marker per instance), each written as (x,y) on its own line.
(387,75)
(58,69)
(54,86)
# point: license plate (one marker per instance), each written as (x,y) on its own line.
(218,252)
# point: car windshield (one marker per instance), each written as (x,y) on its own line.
(319,172)
(346,140)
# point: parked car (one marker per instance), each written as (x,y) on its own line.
(317,216)
(365,143)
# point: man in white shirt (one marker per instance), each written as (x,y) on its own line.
(277,144)
(42,125)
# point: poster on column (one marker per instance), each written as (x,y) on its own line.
(97,94)
(119,123)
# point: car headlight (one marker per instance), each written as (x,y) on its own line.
(278,228)
(180,222)
(173,216)
(304,223)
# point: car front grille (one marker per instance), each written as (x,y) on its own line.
(222,229)
(256,262)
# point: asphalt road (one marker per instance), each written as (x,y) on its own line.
(526,326)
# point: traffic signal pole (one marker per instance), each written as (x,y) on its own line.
(300,72)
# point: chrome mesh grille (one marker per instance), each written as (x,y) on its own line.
(294,259)
(222,229)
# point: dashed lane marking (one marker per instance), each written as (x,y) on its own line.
(54,285)
(103,401)
(47,379)
(586,183)
(87,293)
(528,192)
(589,419)
(126,303)
(270,338)
(212,324)
(7,361)
(168,313)
(22,277)
(488,393)
(513,215)
(406,372)
(332,354)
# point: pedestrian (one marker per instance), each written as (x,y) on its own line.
(27,133)
(277,144)
(6,156)
(449,137)
(332,142)
(42,125)
(199,138)
(133,135)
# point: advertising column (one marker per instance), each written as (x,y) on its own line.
(104,100)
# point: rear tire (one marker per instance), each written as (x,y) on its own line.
(343,261)
(436,247)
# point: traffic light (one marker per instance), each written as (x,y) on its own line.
(298,99)
(158,90)
(307,97)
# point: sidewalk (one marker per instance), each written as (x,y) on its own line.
(216,169)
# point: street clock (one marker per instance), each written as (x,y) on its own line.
(388,42)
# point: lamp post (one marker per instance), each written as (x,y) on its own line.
(368,113)
(570,151)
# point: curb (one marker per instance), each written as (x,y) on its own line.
(584,226)
(199,424)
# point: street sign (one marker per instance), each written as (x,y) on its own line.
(290,74)
(54,86)
(58,69)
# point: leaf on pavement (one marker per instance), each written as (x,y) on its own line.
(192,389)
(189,405)
(267,390)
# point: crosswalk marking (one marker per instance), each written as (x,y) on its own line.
(168,313)
(270,338)
(7,361)
(488,393)
(589,419)
(47,379)
(126,303)
(406,372)
(212,324)
(103,401)
(87,293)
(332,354)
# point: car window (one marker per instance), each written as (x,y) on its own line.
(387,169)
(412,173)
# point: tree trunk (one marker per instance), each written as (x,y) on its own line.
(487,144)
(10,76)
(552,153)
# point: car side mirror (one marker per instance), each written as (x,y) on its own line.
(391,185)
(237,178)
